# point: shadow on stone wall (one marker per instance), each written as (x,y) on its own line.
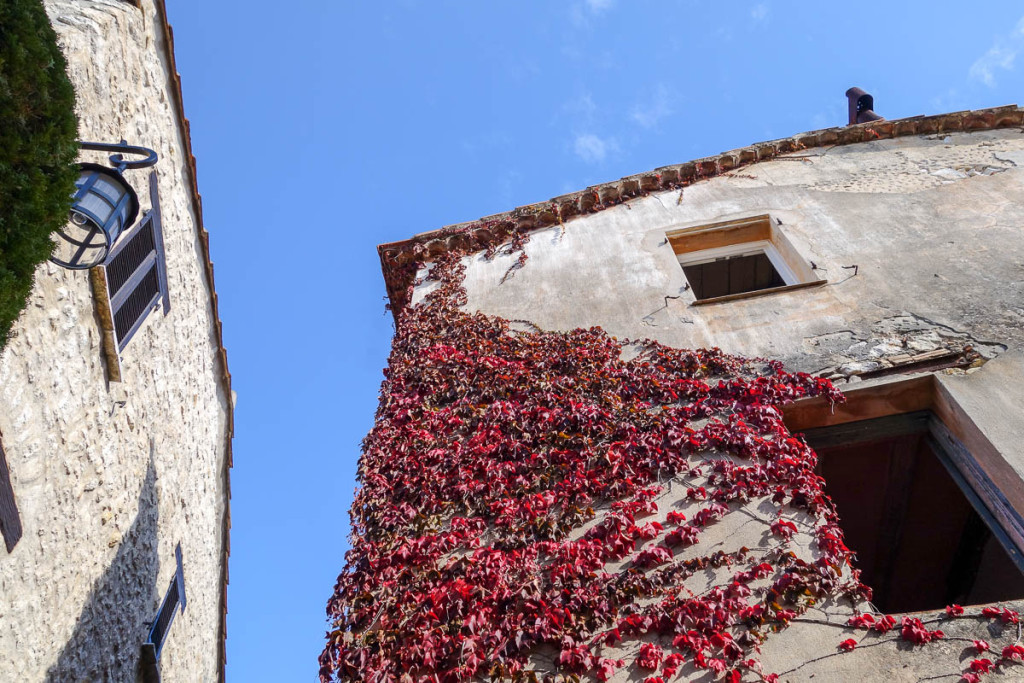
(106,643)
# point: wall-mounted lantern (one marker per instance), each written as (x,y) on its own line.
(104,205)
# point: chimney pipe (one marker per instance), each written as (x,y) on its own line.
(861,107)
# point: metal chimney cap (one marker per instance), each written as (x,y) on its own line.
(861,106)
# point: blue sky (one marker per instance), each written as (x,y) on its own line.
(324,128)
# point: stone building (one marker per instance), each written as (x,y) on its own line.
(116,424)
(887,256)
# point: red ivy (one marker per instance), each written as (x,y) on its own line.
(1004,614)
(864,621)
(981,666)
(507,479)
(914,631)
(650,657)
(1013,653)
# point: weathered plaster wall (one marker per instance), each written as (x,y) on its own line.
(934,225)
(109,479)
(921,240)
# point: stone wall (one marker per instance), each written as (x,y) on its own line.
(109,478)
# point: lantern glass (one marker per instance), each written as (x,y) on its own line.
(103,206)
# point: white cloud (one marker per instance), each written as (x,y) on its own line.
(579,112)
(950,100)
(649,114)
(1001,55)
(580,13)
(998,57)
(508,184)
(591,148)
(581,107)
(759,11)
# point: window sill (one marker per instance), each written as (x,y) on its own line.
(757,292)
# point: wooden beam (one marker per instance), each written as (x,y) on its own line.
(971,459)
(105,318)
(985,496)
(868,430)
(863,403)
(714,235)
(987,457)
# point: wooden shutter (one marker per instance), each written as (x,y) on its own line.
(10,520)
(174,597)
(136,273)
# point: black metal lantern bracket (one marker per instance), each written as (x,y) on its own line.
(103,206)
(117,159)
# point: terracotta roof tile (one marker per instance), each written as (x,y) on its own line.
(204,243)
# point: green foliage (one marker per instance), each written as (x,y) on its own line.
(37,149)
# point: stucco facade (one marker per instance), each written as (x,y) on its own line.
(914,249)
(933,224)
(109,477)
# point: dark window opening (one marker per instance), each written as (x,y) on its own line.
(924,537)
(732,275)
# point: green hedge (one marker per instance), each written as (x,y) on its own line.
(38,129)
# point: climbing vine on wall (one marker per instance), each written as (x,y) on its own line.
(552,506)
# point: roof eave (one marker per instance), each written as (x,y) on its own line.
(399,259)
(225,374)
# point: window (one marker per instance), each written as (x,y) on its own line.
(738,259)
(929,525)
(741,268)
(131,283)
(158,631)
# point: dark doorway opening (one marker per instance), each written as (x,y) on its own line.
(732,275)
(924,536)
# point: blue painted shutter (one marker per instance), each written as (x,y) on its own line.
(174,597)
(137,272)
